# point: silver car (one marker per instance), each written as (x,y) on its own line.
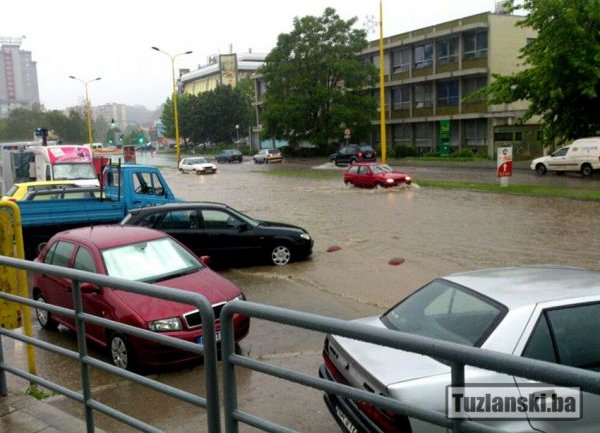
(198,165)
(548,313)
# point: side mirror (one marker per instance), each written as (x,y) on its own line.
(89,288)
(205,260)
(243,227)
(40,247)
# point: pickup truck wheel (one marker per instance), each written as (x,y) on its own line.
(43,316)
(540,169)
(586,170)
(281,255)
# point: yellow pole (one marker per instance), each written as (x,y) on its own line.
(381,87)
(89,119)
(175,113)
(87,106)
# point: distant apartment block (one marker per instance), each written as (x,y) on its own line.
(221,69)
(428,72)
(18,77)
(112,112)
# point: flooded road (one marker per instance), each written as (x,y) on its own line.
(434,232)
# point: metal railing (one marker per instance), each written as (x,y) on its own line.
(456,355)
(207,350)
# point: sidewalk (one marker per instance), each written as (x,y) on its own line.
(20,413)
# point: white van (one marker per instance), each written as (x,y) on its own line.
(583,155)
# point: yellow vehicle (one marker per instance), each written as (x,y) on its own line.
(19,190)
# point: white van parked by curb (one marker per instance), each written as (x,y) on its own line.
(583,155)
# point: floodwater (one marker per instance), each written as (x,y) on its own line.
(431,232)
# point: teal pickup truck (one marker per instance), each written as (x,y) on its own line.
(125,187)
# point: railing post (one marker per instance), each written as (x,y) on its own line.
(457,380)
(229,377)
(210,365)
(3,389)
(82,347)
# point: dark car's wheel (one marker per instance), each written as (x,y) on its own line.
(120,351)
(540,169)
(586,170)
(43,316)
(281,255)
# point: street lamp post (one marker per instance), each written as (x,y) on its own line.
(175,115)
(381,87)
(87,105)
(237,133)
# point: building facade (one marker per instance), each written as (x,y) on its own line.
(429,72)
(222,69)
(18,77)
(116,113)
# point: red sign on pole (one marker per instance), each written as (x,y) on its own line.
(504,162)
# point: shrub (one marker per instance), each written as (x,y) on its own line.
(404,151)
(463,153)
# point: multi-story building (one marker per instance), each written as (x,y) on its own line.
(18,77)
(116,113)
(429,72)
(226,69)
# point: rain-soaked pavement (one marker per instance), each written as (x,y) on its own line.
(435,232)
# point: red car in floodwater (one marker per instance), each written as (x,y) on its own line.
(138,254)
(373,174)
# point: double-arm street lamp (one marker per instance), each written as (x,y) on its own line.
(87,105)
(175,116)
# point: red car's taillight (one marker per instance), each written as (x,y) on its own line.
(360,154)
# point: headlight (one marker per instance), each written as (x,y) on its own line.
(389,180)
(164,325)
(305,236)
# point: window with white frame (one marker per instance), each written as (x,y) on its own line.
(401,59)
(447,51)
(475,44)
(423,55)
(447,93)
(424,134)
(402,134)
(401,98)
(423,96)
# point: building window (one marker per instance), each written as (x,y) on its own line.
(401,98)
(447,93)
(476,45)
(423,55)
(475,132)
(447,51)
(424,136)
(423,96)
(401,60)
(503,136)
(403,134)
(472,85)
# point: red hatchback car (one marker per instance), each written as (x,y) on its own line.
(139,254)
(372,174)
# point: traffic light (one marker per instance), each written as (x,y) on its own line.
(140,139)
(110,141)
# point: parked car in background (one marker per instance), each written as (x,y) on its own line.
(267,156)
(545,313)
(19,190)
(137,254)
(198,165)
(226,235)
(230,155)
(582,156)
(372,174)
(351,153)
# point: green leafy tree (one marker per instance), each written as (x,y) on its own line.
(562,79)
(314,82)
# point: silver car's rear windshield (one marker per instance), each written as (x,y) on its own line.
(447,312)
(150,261)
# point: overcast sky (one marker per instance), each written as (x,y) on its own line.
(112,39)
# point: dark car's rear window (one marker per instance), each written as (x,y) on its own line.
(447,312)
